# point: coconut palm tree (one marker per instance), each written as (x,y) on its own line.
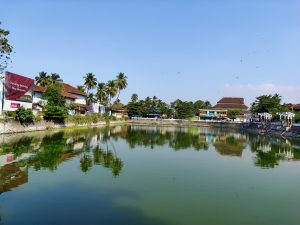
(134,97)
(121,82)
(102,94)
(111,90)
(42,79)
(90,81)
(54,78)
(80,88)
(90,98)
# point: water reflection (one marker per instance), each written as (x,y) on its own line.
(96,147)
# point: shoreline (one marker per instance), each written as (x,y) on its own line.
(14,127)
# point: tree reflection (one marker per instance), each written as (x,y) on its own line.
(86,163)
(270,151)
(96,148)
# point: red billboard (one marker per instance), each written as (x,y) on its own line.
(18,88)
(18,91)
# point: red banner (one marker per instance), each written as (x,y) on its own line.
(18,88)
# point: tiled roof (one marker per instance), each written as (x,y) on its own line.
(231,103)
(296,107)
(67,91)
(71,89)
(68,95)
(39,89)
(232,100)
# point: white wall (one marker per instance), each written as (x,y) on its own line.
(80,99)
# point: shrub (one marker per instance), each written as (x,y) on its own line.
(297,117)
(84,119)
(56,113)
(24,115)
(10,114)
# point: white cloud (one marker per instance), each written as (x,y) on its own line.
(289,93)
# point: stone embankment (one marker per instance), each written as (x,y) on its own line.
(273,128)
(11,126)
(175,122)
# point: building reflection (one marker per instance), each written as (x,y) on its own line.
(96,148)
(49,151)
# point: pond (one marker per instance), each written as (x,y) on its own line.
(149,175)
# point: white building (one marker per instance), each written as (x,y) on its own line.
(72,96)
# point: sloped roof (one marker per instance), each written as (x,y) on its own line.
(296,107)
(71,89)
(39,89)
(231,103)
(67,91)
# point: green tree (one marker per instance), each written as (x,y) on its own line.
(134,97)
(53,95)
(54,78)
(121,82)
(42,79)
(90,99)
(268,103)
(24,116)
(81,88)
(56,113)
(5,49)
(233,113)
(183,109)
(101,94)
(111,90)
(90,81)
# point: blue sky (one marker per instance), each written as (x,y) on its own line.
(169,48)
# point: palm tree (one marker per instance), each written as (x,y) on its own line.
(80,88)
(90,81)
(111,89)
(54,78)
(121,82)
(42,79)
(134,97)
(90,98)
(102,94)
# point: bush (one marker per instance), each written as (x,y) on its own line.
(10,114)
(56,113)
(85,119)
(297,117)
(24,115)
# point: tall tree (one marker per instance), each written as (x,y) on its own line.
(53,95)
(80,88)
(121,82)
(42,79)
(101,94)
(90,81)
(5,49)
(90,98)
(111,90)
(134,97)
(268,103)
(54,78)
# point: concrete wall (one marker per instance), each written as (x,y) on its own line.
(144,121)
(12,126)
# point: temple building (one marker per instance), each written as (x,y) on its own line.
(221,109)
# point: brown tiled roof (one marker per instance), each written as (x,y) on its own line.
(231,103)
(68,95)
(67,91)
(71,89)
(296,107)
(39,89)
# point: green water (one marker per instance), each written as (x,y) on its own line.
(149,175)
